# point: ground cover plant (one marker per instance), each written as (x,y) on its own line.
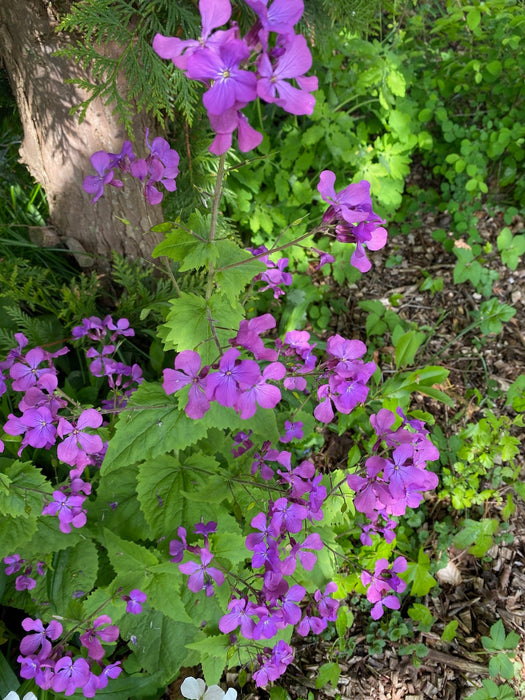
(192,518)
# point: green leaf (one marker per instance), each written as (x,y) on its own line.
(407,347)
(161,486)
(152,425)
(127,557)
(473,18)
(418,574)
(477,535)
(15,533)
(117,507)
(231,281)
(328,673)
(159,643)
(163,594)
(449,633)
(421,614)
(501,665)
(21,490)
(8,680)
(74,569)
(497,635)
(191,252)
(136,686)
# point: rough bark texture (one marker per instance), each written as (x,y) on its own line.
(56,148)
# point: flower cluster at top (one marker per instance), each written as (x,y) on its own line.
(48,417)
(242,385)
(236,70)
(160,167)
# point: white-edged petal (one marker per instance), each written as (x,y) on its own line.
(193,688)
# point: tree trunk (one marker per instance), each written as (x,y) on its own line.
(56,148)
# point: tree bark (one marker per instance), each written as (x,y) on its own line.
(56,148)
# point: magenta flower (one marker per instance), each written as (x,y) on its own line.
(70,675)
(240,613)
(79,444)
(40,429)
(273,85)
(200,575)
(69,510)
(221,67)
(135,600)
(94,184)
(38,642)
(101,631)
(188,371)
(224,385)
(261,393)
(292,431)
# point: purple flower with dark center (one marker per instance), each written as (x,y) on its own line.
(94,184)
(221,67)
(287,516)
(27,374)
(224,385)
(241,611)
(292,431)
(69,510)
(41,431)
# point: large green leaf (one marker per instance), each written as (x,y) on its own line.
(127,557)
(159,643)
(14,533)
(74,570)
(117,507)
(231,281)
(152,426)
(21,489)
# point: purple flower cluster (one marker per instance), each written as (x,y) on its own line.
(122,379)
(393,483)
(24,581)
(160,167)
(274,276)
(202,576)
(277,549)
(351,212)
(54,667)
(242,385)
(236,70)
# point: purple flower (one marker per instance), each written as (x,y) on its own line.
(69,510)
(135,600)
(13,563)
(273,85)
(79,444)
(221,67)
(101,631)
(70,675)
(94,184)
(240,613)
(293,431)
(224,385)
(200,574)
(38,642)
(188,371)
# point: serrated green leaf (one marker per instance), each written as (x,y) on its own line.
(501,665)
(418,574)
(232,281)
(127,557)
(163,589)
(161,487)
(22,486)
(152,425)
(15,533)
(328,673)
(117,507)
